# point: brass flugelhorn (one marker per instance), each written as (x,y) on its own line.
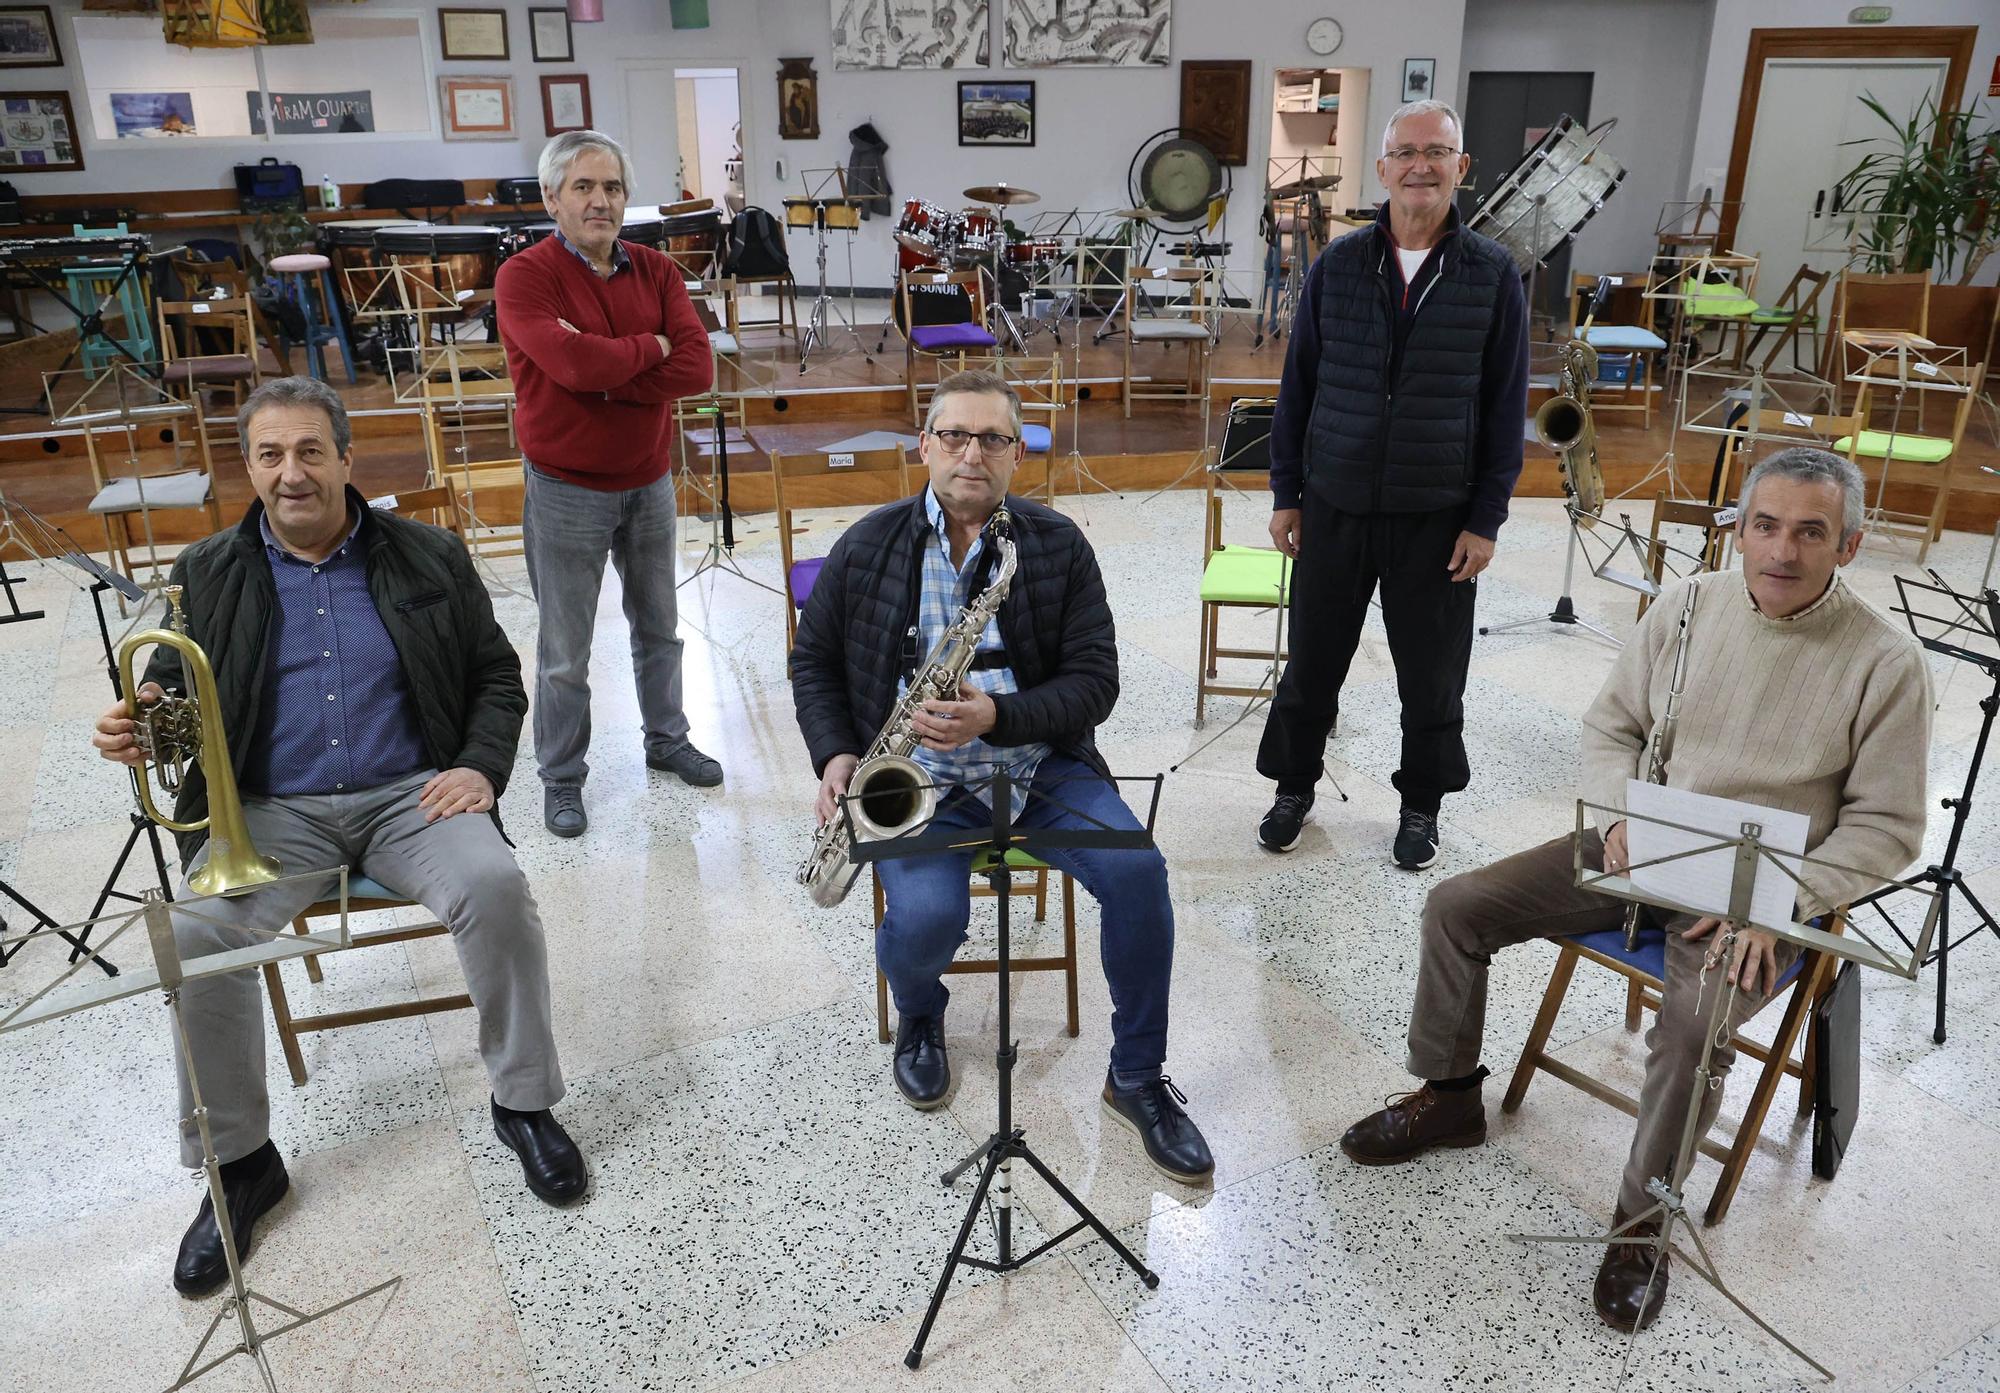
(174,730)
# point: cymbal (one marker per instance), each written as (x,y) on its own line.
(1003,194)
(1139,214)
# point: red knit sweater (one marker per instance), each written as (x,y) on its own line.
(595,407)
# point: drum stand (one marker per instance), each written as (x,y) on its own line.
(816,335)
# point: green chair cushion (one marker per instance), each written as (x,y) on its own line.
(1720,302)
(1016,860)
(1781,317)
(1917,449)
(1245,576)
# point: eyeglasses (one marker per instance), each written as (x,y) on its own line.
(1407,154)
(992,443)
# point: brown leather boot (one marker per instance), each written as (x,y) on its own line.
(1622,1295)
(1413,1123)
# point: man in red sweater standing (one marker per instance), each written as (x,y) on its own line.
(601,341)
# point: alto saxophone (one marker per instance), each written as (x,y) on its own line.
(1662,743)
(890,792)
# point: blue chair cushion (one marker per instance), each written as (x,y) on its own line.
(932,337)
(1650,957)
(1038,439)
(1623,337)
(804,574)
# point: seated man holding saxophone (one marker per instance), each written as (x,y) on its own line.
(1794,694)
(370,700)
(1044,675)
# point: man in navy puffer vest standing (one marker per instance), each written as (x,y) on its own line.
(1395,445)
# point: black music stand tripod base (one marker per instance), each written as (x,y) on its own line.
(15,614)
(1008,1142)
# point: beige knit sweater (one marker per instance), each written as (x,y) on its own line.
(1826,713)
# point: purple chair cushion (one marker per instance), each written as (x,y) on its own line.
(804,573)
(935,336)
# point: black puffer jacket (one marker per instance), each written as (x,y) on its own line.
(867,171)
(463,674)
(849,656)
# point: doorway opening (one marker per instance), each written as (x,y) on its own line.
(708,120)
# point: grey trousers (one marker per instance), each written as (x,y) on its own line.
(567,531)
(459,868)
(1534,895)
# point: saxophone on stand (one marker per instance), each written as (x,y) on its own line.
(890,792)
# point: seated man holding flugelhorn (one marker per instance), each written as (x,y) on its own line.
(372,707)
(1044,675)
(1797,695)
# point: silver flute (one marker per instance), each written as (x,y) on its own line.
(1662,744)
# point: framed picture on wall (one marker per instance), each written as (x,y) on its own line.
(37,134)
(798,99)
(28,37)
(996,113)
(1419,74)
(477,108)
(566,103)
(549,36)
(1215,106)
(472,35)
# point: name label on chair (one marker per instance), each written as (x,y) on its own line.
(1927,369)
(840,461)
(1793,418)
(198,307)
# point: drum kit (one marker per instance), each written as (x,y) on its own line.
(931,237)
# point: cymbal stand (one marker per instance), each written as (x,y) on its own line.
(996,306)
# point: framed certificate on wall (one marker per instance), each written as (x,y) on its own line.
(477,108)
(472,35)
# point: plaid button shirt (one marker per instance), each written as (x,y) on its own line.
(945,593)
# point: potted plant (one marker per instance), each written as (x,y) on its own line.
(1936,191)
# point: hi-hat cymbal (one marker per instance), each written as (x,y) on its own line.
(1319,183)
(1003,194)
(1139,214)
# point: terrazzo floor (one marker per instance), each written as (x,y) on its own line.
(765,1211)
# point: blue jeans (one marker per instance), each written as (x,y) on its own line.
(929,901)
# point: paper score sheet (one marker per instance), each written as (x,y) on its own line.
(1703,881)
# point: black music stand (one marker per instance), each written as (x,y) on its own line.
(27,256)
(1945,877)
(1008,1141)
(720,554)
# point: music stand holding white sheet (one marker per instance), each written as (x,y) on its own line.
(1754,868)
(169,971)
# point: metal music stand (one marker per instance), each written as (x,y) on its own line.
(995,1156)
(1551,192)
(1748,856)
(1976,619)
(26,256)
(1904,363)
(168,972)
(21,530)
(826,189)
(720,554)
(1081,254)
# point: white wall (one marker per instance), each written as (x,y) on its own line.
(1649,57)
(1089,121)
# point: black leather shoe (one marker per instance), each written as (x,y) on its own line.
(253,1184)
(1173,1143)
(923,1070)
(1413,1123)
(550,1162)
(1624,1296)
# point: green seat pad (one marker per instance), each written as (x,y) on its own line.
(1016,861)
(1720,302)
(1781,317)
(1244,576)
(1917,449)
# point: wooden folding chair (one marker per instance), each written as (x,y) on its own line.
(822,479)
(1233,577)
(1186,322)
(208,343)
(1810,979)
(936,343)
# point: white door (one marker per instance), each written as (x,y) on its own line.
(651,133)
(1806,109)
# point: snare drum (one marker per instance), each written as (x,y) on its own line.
(978,230)
(451,259)
(926,229)
(1033,252)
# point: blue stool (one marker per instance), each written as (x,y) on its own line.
(1644,969)
(297,272)
(88,282)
